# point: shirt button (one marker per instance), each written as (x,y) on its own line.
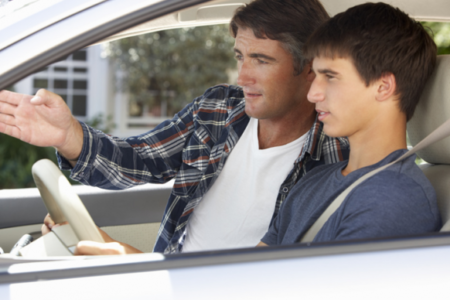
(285,190)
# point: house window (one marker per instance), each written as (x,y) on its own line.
(80,55)
(79,105)
(69,79)
(60,69)
(80,84)
(60,84)
(40,83)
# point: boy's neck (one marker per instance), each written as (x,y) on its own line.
(374,144)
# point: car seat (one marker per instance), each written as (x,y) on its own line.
(433,110)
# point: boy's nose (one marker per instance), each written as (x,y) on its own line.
(315,93)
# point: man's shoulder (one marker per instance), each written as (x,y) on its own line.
(223,92)
(220,106)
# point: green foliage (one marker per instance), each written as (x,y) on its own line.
(177,64)
(102,123)
(17,157)
(16,160)
(441,35)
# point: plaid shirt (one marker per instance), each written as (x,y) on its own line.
(192,148)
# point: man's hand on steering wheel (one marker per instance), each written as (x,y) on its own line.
(110,247)
(49,224)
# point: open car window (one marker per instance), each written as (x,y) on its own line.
(91,75)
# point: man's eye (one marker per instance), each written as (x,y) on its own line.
(262,61)
(238,57)
(329,76)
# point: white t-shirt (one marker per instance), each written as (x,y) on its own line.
(237,210)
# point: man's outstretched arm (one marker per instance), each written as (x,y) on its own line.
(42,120)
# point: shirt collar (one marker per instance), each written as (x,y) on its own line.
(315,135)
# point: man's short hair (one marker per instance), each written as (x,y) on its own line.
(289,21)
(379,39)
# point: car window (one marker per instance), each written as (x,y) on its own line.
(126,87)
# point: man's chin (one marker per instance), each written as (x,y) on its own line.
(253,113)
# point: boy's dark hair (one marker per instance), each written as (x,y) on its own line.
(289,21)
(379,39)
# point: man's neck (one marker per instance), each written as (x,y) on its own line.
(273,133)
(373,145)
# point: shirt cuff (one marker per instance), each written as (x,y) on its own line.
(83,162)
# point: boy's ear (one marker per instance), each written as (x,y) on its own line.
(386,87)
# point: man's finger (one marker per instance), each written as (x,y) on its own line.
(95,248)
(37,100)
(12,98)
(48,221)
(7,108)
(10,130)
(7,119)
(87,248)
(45,229)
(46,97)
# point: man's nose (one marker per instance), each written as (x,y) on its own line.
(245,74)
(315,93)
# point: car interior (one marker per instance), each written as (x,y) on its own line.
(141,218)
(430,113)
(406,267)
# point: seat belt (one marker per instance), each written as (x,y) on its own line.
(441,132)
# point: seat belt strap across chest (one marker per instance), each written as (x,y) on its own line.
(441,132)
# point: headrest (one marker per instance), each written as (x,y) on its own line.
(433,110)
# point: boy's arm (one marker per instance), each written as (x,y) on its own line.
(272,237)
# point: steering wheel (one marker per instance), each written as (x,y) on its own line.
(62,202)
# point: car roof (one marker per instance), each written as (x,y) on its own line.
(221,11)
(65,26)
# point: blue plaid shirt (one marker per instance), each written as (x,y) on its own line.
(192,148)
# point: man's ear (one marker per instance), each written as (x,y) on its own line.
(310,73)
(386,87)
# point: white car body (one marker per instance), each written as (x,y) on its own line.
(400,268)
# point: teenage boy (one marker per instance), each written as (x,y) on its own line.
(234,153)
(371,64)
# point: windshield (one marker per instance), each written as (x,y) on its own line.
(21,18)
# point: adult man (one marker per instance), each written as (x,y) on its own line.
(259,138)
(371,64)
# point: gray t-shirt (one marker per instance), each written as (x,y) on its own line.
(396,202)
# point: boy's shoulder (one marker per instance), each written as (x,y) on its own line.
(401,187)
(405,172)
